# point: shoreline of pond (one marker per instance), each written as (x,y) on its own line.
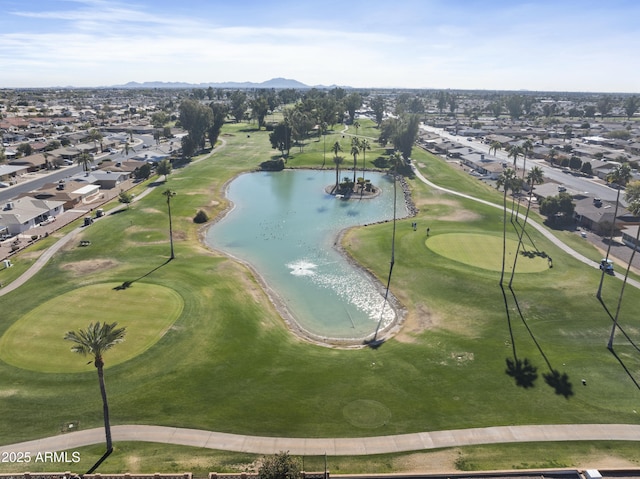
(279,304)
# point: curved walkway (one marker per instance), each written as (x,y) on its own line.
(360,446)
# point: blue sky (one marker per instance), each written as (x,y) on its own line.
(458,44)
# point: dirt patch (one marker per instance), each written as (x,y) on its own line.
(179,235)
(456,212)
(416,322)
(151,210)
(432,462)
(5,393)
(89,266)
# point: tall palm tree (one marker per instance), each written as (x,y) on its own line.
(95,136)
(534,177)
(84,160)
(632,196)
(170,194)
(495,146)
(95,341)
(620,175)
(527,150)
(514,152)
(396,159)
(355,151)
(364,146)
(356,125)
(506,181)
(323,129)
(336,148)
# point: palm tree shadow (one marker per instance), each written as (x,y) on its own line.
(128,284)
(559,382)
(625,368)
(524,373)
(521,370)
(625,334)
(99,461)
(373,343)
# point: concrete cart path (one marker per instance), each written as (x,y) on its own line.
(336,446)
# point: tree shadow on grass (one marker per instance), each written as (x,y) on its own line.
(523,371)
(559,382)
(625,369)
(128,284)
(631,342)
(624,333)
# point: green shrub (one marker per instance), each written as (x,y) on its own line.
(201,217)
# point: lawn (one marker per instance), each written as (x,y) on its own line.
(228,362)
(146,310)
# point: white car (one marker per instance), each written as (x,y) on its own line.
(4,185)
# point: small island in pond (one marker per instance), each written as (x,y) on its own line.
(361,188)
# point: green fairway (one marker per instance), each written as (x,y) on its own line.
(207,349)
(484,251)
(35,341)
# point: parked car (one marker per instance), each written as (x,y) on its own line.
(48,221)
(4,185)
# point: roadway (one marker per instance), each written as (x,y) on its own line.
(593,187)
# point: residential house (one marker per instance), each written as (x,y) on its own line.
(25,213)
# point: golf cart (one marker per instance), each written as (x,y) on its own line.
(606,265)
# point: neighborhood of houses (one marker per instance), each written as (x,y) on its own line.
(551,148)
(126,143)
(59,128)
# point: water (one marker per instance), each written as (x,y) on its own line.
(285,226)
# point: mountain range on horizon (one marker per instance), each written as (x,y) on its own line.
(279,83)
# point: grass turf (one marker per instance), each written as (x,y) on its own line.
(484,251)
(228,363)
(146,310)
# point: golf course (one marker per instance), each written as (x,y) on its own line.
(206,347)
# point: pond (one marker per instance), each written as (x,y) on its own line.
(285,226)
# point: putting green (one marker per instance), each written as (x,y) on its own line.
(485,251)
(35,341)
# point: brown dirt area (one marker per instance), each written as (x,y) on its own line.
(90,266)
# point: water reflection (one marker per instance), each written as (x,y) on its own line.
(285,225)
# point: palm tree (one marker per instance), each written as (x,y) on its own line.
(355,151)
(620,175)
(534,177)
(527,150)
(356,125)
(514,152)
(95,136)
(495,146)
(551,156)
(506,181)
(84,160)
(95,341)
(336,148)
(323,129)
(632,196)
(364,146)
(170,194)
